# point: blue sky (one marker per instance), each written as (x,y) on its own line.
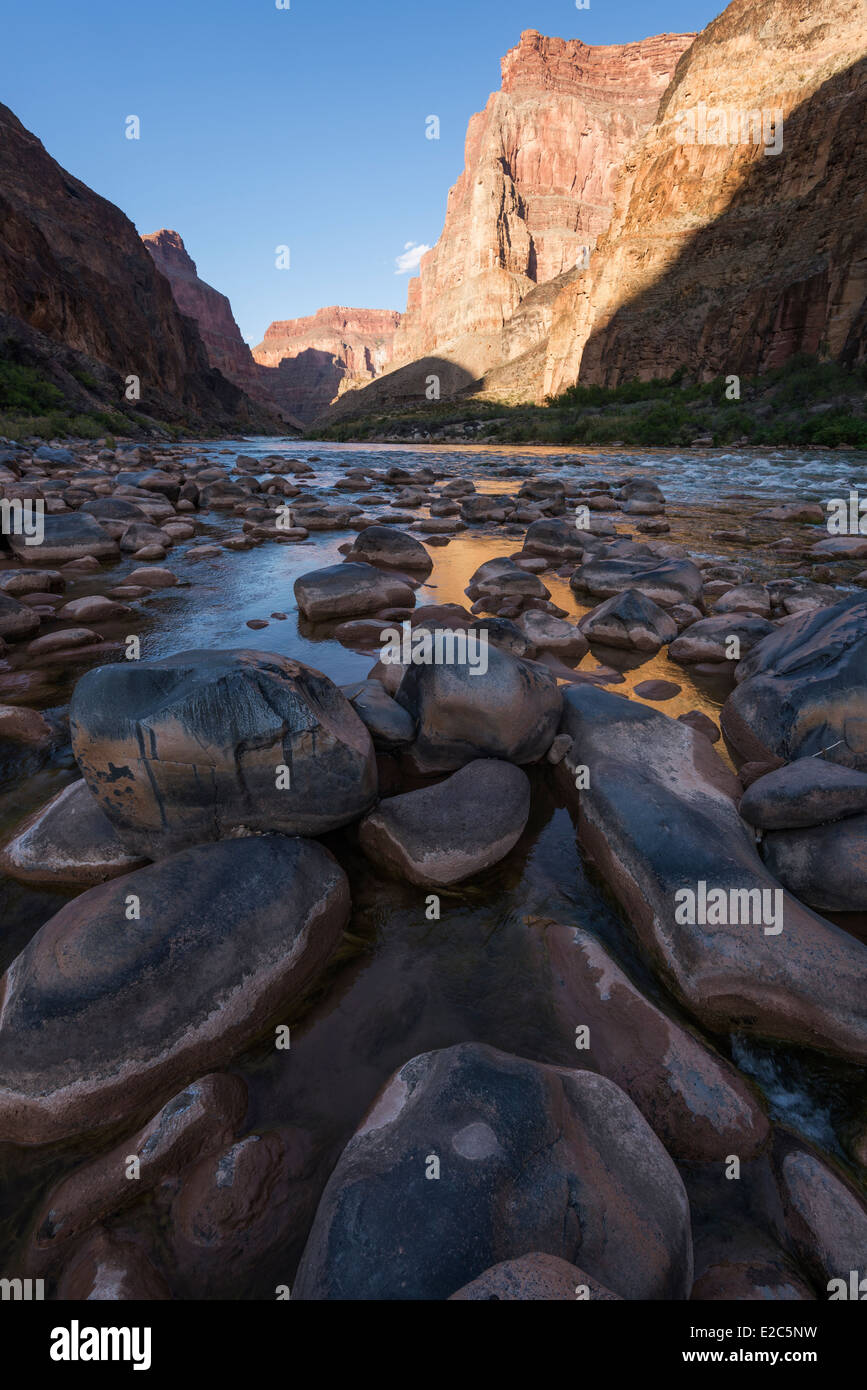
(303,127)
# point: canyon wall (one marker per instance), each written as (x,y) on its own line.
(74,276)
(720,258)
(311,361)
(538,186)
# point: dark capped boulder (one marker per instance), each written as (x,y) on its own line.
(67,536)
(507,710)
(205,744)
(17,620)
(531,1158)
(825,1219)
(390,726)
(349,591)
(659,819)
(803,690)
(560,540)
(668,581)
(137,987)
(823,865)
(630,620)
(809,791)
(446,833)
(386,545)
(710,638)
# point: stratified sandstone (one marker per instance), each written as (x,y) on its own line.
(721,258)
(315,359)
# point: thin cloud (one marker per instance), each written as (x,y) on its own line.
(410,257)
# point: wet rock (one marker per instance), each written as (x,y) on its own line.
(826,1221)
(701,723)
(67,842)
(390,726)
(449,832)
(226,935)
(200,1120)
(531,1157)
(505,634)
(242,1210)
(537,1277)
(629,620)
(558,539)
(385,545)
(806,792)
(66,640)
(21,725)
(823,865)
(710,638)
(153,577)
(189,748)
(801,690)
(17,621)
(510,711)
(841,547)
(316,517)
(108,1268)
(547,633)
(93,609)
(659,818)
(666,582)
(746,598)
(694,1101)
(657,690)
(348,591)
(17,583)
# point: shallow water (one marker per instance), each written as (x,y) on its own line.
(404,984)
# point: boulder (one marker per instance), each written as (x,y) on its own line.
(659,820)
(809,791)
(693,1099)
(386,545)
(190,748)
(349,591)
(667,581)
(137,987)
(709,639)
(558,539)
(110,1268)
(16,619)
(69,536)
(21,725)
(446,833)
(509,711)
(92,609)
(537,1278)
(823,865)
(630,620)
(745,598)
(545,633)
(825,1219)
(801,691)
(531,1157)
(67,842)
(390,727)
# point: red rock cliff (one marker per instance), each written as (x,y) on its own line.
(315,359)
(719,257)
(541,166)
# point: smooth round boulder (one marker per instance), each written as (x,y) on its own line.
(206,744)
(16,619)
(531,1157)
(137,987)
(710,639)
(67,842)
(386,545)
(823,865)
(807,792)
(545,633)
(95,608)
(453,830)
(631,621)
(507,710)
(349,591)
(666,581)
(68,536)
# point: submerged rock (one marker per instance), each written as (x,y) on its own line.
(349,591)
(198,953)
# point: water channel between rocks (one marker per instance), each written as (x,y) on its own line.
(401,984)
